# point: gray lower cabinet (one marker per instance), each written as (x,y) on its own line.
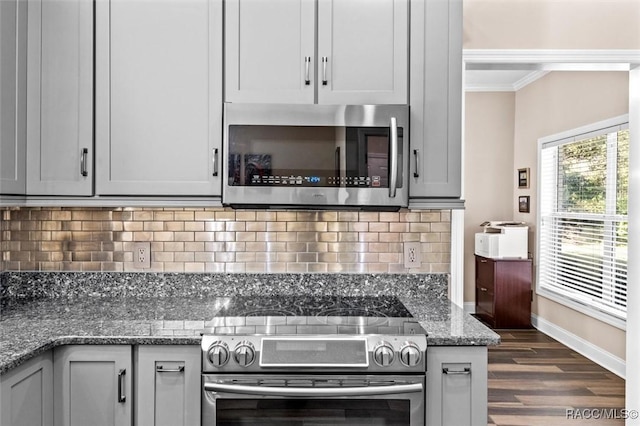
(93,385)
(158,89)
(456,385)
(167,385)
(60,98)
(436,100)
(13,94)
(26,393)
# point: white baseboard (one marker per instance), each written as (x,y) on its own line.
(470,307)
(596,354)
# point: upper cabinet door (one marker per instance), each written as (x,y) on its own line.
(362,51)
(13,102)
(158,97)
(270,51)
(60,98)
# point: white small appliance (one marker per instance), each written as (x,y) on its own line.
(503,240)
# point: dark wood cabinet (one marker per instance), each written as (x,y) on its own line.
(503,292)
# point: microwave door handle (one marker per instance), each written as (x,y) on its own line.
(393,161)
(337,163)
(314,392)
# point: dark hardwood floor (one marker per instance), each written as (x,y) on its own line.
(535,380)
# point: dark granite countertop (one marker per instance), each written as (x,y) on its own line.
(41,311)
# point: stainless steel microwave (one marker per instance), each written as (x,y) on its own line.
(316,156)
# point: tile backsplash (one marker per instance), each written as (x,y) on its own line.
(222,240)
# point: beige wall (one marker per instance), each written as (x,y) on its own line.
(551,24)
(558,102)
(488,168)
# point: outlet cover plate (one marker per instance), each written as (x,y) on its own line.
(142,255)
(412,255)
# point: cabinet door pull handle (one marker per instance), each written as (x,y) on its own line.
(483,260)
(161,369)
(466,371)
(121,385)
(307,63)
(83,162)
(416,154)
(214,160)
(324,70)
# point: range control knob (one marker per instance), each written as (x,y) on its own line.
(383,354)
(218,353)
(410,354)
(244,354)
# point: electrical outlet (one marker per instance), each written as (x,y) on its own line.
(412,255)
(142,255)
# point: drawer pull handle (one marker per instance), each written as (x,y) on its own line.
(483,260)
(161,369)
(121,386)
(483,289)
(466,371)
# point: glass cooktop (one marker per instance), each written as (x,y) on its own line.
(279,315)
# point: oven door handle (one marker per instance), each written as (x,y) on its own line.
(314,392)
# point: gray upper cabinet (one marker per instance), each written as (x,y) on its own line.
(362,51)
(436,99)
(158,97)
(269,51)
(60,98)
(13,104)
(361,55)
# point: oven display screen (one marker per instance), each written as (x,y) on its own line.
(286,352)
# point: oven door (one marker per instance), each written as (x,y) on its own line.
(318,400)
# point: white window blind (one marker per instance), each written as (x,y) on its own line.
(583,219)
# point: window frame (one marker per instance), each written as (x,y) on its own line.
(580,133)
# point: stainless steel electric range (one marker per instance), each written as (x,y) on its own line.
(298,360)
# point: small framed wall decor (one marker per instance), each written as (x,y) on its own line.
(523,204)
(523,178)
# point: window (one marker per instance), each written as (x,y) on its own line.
(583,220)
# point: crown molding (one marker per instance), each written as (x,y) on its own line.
(552,56)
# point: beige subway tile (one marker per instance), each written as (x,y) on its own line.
(60,235)
(186,256)
(328,257)
(133,226)
(41,215)
(235,246)
(368,258)
(194,267)
(19,256)
(307,257)
(245,257)
(256,246)
(389,258)
(15,266)
(212,267)
(245,216)
(335,267)
(51,246)
(307,216)
(307,226)
(440,268)
(51,225)
(245,236)
(347,257)
(57,256)
(296,247)
(266,216)
(143,215)
(396,248)
(286,257)
(163,216)
(410,237)
(337,226)
(104,256)
(389,216)
(102,236)
(235,268)
(330,237)
(445,216)
(255,267)
(377,268)
(204,256)
(235,226)
(157,246)
(388,237)
(286,236)
(222,236)
(223,216)
(214,246)
(78,236)
(122,215)
(266,257)
(194,226)
(445,237)
(184,215)
(366,237)
(164,256)
(282,216)
(276,226)
(379,227)
(256,226)
(307,236)
(444,227)
(368,217)
(318,267)
(193,246)
(320,247)
(348,237)
(163,236)
(153,226)
(122,257)
(61,215)
(409,217)
(173,267)
(227,257)
(111,267)
(71,226)
(214,226)
(420,227)
(358,227)
(296,268)
(184,236)
(430,237)
(328,216)
(378,247)
(104,214)
(174,226)
(396,268)
(430,216)
(348,216)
